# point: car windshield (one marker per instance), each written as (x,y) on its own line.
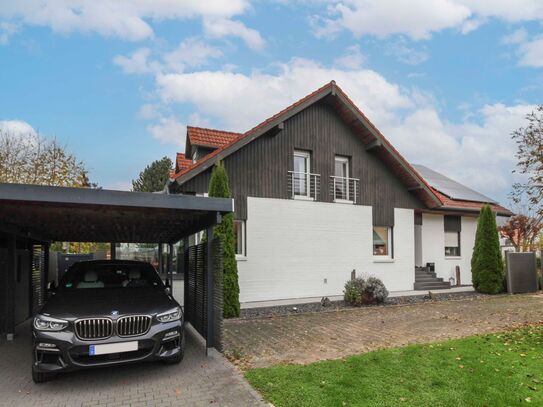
(104,276)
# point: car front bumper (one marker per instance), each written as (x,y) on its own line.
(63,351)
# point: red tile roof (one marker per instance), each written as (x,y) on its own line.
(199,136)
(461,204)
(181,162)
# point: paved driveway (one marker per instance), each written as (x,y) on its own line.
(197,381)
(306,338)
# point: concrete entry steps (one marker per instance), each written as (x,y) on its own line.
(426,280)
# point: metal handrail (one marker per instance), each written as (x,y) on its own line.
(344,188)
(303,184)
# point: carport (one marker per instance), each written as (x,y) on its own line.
(32,216)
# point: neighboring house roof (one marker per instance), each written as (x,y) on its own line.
(199,136)
(181,162)
(350,113)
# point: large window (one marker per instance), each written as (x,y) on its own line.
(452,226)
(382,241)
(301,181)
(239,236)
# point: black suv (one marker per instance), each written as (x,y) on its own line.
(105,313)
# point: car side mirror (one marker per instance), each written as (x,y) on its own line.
(51,288)
(167,291)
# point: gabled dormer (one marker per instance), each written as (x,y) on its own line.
(201,141)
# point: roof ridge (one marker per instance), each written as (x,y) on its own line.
(218,130)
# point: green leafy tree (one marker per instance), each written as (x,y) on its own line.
(218,187)
(486,261)
(154,177)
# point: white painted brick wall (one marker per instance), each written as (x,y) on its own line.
(293,246)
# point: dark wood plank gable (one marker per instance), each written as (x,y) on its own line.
(260,168)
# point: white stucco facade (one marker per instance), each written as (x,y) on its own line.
(301,249)
(433,247)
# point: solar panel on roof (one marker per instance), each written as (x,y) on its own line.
(449,187)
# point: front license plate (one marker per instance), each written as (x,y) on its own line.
(108,348)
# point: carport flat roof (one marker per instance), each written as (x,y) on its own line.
(48,213)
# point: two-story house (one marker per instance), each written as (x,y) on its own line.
(320,192)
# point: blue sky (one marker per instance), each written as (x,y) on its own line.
(117,82)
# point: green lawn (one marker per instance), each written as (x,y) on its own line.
(493,370)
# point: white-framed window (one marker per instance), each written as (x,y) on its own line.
(382,242)
(452,244)
(239,238)
(301,176)
(341,179)
(452,229)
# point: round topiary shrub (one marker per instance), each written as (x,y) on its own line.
(353,293)
(362,291)
(376,290)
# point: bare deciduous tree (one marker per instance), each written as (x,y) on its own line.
(529,141)
(33,159)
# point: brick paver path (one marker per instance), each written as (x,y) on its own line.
(197,381)
(306,338)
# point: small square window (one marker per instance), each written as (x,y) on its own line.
(382,241)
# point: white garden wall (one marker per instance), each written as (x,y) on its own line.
(433,247)
(300,249)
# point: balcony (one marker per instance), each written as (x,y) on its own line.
(304,185)
(343,189)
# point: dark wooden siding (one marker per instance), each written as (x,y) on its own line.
(260,169)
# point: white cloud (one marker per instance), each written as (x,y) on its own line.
(236,100)
(352,59)
(381,18)
(531,53)
(419,19)
(127,19)
(17,128)
(137,63)
(516,37)
(169,130)
(478,152)
(405,54)
(223,27)
(7,29)
(192,52)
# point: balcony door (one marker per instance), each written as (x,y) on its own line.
(302,170)
(341,180)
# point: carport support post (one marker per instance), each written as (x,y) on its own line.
(160,259)
(209,290)
(10,286)
(170,265)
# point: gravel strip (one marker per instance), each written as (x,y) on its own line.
(268,312)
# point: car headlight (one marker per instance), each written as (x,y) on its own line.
(43,323)
(171,315)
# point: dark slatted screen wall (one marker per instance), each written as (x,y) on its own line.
(195,306)
(38,267)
